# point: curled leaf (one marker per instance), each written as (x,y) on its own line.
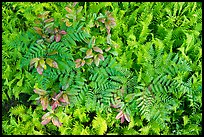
(97,49)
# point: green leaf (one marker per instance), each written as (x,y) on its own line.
(185,120)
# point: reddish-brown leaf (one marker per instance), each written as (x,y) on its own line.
(68,9)
(56,122)
(57,37)
(49,20)
(97,49)
(37,28)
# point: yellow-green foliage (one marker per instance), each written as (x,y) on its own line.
(101,68)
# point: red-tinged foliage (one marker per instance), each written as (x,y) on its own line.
(97,49)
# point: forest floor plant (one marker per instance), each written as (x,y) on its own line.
(101,68)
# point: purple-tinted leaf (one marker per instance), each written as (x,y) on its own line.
(46,115)
(63,32)
(55,104)
(97,49)
(44,102)
(122,119)
(77,60)
(65,97)
(56,122)
(46,121)
(40,70)
(61,99)
(58,95)
(82,62)
(55,65)
(101,57)
(119,115)
(127,117)
(57,37)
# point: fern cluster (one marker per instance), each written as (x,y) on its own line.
(87,68)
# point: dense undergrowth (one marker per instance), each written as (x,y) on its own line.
(102,68)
